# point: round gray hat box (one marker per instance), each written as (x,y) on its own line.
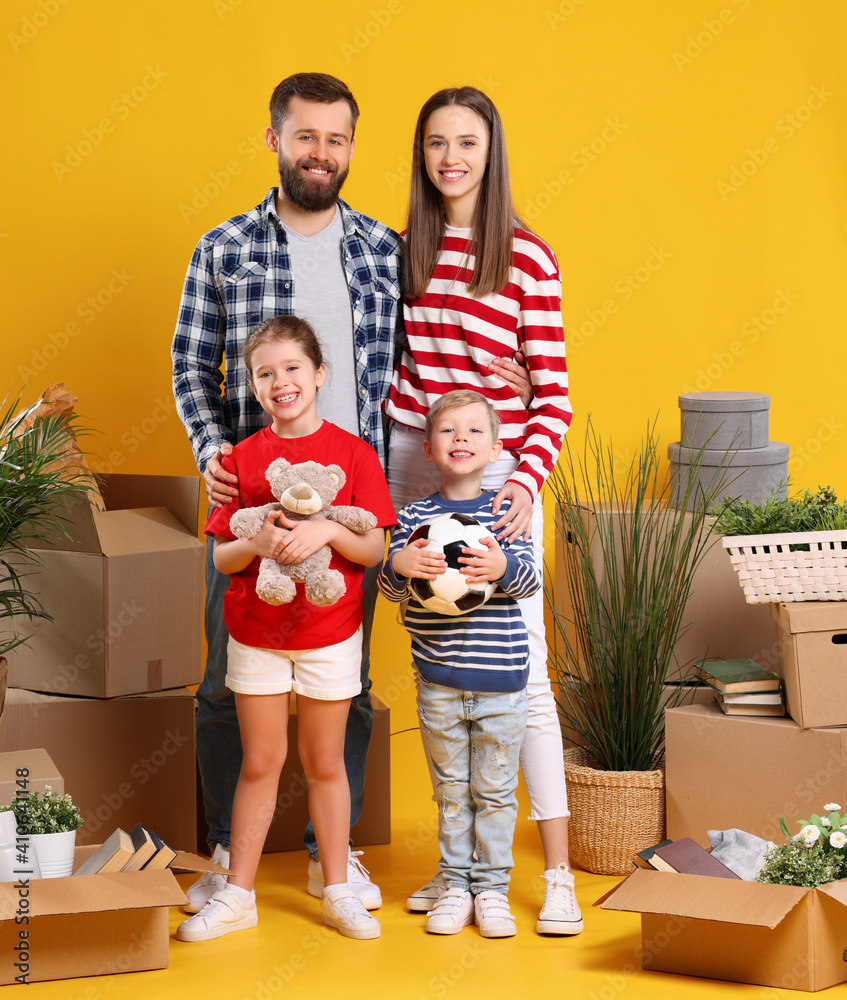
(733,419)
(750,474)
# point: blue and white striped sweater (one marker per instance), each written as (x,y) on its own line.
(486,649)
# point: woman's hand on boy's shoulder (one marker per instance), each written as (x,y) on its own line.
(516,520)
(416,561)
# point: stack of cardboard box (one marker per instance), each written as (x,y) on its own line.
(748,772)
(102,686)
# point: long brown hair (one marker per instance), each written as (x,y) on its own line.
(494,215)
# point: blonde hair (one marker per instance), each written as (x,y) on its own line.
(461,397)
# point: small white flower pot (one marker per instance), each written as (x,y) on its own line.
(55,852)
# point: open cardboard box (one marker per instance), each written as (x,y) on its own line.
(125,592)
(91,925)
(813,660)
(746,932)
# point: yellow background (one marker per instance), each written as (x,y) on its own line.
(684,160)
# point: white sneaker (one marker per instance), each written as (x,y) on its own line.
(424,899)
(358,878)
(453,910)
(560,913)
(200,892)
(223,913)
(341,908)
(493,916)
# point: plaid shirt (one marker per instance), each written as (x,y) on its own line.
(240,274)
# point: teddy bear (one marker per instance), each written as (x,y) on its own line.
(305,492)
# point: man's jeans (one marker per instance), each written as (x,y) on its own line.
(218,735)
(474,739)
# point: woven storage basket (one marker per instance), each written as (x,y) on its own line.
(769,571)
(613,813)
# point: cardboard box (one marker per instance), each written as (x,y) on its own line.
(720,624)
(124,760)
(771,935)
(725,771)
(292,807)
(89,925)
(813,660)
(125,592)
(40,772)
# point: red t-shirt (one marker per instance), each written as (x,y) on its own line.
(299,625)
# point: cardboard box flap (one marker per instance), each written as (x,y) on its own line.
(145,529)
(187,862)
(179,494)
(811,616)
(699,897)
(836,891)
(93,893)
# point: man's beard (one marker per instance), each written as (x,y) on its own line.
(311,197)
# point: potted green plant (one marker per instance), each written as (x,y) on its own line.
(46,824)
(36,481)
(628,559)
(788,548)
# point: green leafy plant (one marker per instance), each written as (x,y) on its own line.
(35,484)
(780,513)
(793,864)
(814,856)
(629,560)
(46,812)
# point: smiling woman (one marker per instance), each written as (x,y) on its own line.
(479,289)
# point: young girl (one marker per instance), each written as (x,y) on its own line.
(313,651)
(479,289)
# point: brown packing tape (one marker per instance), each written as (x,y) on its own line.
(154,675)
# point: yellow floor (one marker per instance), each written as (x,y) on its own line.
(291,956)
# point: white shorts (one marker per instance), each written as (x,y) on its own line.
(332,673)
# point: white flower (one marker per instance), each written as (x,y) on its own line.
(825,821)
(808,835)
(838,840)
(832,807)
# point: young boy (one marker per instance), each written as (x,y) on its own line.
(472,672)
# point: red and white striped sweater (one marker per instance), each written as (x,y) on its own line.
(452,337)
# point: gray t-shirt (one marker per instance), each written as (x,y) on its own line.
(322,297)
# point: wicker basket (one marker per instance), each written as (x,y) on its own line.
(769,571)
(613,813)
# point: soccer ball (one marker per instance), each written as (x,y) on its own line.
(450,593)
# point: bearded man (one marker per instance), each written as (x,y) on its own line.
(301,251)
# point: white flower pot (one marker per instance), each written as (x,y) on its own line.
(55,852)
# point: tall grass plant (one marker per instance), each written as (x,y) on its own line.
(629,560)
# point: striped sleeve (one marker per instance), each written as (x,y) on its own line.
(542,338)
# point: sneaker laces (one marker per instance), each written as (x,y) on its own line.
(559,891)
(349,907)
(211,908)
(356,871)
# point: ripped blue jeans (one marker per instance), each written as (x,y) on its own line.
(474,739)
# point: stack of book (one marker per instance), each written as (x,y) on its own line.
(128,852)
(684,855)
(742,687)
